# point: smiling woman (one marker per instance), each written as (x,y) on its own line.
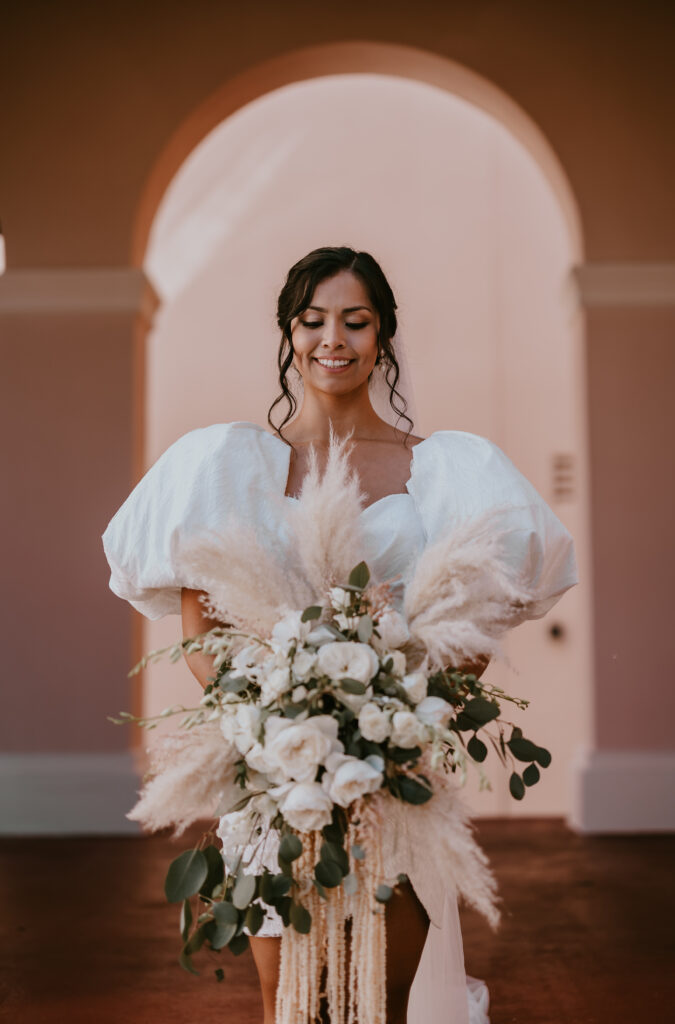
(337,315)
(393,501)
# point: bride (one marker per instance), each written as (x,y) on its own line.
(337,316)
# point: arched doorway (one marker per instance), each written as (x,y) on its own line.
(451,186)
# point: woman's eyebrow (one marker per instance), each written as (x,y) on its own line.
(347,309)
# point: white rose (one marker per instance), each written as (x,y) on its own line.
(434,711)
(347,622)
(373,723)
(351,779)
(406,730)
(349,659)
(393,630)
(289,630)
(274,683)
(355,701)
(303,663)
(299,749)
(307,807)
(241,726)
(265,805)
(398,658)
(320,635)
(415,685)
(259,760)
(248,660)
(299,694)
(339,598)
(234,828)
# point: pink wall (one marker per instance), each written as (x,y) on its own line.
(92,99)
(631,370)
(66,428)
(96,94)
(478,250)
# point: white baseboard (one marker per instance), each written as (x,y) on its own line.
(624,791)
(67,794)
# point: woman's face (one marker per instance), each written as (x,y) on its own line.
(335,338)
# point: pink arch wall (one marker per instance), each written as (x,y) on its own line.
(409,64)
(346,58)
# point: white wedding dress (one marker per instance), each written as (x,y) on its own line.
(240,470)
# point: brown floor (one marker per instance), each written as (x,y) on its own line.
(587,937)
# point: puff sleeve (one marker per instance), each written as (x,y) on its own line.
(206,478)
(462,475)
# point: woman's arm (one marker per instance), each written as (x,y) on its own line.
(196,621)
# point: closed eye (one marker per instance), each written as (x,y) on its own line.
(319,323)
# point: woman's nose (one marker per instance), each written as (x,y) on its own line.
(332,333)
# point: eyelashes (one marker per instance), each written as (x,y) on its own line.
(319,323)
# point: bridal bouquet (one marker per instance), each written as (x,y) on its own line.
(324,716)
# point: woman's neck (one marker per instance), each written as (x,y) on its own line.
(344,412)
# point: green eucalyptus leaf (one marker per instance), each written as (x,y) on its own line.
(186,963)
(522,749)
(337,853)
(196,940)
(185,920)
(215,870)
(328,873)
(285,866)
(284,909)
(531,775)
(244,890)
(223,934)
(239,944)
(290,847)
(185,876)
(301,919)
(412,791)
(477,749)
(225,913)
(266,887)
(359,576)
(281,884)
(365,629)
(400,755)
(234,684)
(352,686)
(311,613)
(481,710)
(255,916)
(543,757)
(516,786)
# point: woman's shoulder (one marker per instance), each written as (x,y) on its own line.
(457,472)
(459,457)
(214,437)
(205,476)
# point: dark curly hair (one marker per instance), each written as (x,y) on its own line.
(295,297)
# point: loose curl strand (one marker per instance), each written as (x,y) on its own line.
(296,295)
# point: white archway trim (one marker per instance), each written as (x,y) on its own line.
(624,791)
(626,284)
(67,794)
(77,290)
